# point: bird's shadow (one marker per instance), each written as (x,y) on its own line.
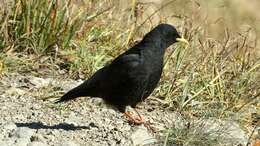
(39,125)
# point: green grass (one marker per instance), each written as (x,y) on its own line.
(213,77)
(36,26)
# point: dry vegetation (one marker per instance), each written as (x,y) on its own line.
(218,75)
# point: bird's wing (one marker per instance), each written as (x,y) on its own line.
(118,77)
(127,61)
(128,70)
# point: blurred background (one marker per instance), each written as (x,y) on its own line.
(213,15)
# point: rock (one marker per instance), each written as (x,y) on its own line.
(37,138)
(142,137)
(9,126)
(6,143)
(69,143)
(225,132)
(15,91)
(21,142)
(37,143)
(40,82)
(72,119)
(23,132)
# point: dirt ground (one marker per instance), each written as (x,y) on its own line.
(25,119)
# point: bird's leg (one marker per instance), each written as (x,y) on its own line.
(146,124)
(138,120)
(134,120)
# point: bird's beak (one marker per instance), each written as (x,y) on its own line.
(182,40)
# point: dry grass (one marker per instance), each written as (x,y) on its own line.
(217,76)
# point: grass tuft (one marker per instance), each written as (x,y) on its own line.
(37,26)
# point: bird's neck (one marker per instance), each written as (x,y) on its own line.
(156,47)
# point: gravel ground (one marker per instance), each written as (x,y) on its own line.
(28,121)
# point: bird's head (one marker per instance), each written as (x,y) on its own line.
(163,36)
(170,35)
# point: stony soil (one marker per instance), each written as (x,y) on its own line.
(29,117)
(27,120)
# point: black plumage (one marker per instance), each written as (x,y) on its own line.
(133,75)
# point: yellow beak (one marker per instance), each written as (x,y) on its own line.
(182,40)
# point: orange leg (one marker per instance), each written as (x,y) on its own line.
(135,120)
(138,120)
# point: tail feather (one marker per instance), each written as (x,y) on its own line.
(79,91)
(85,89)
(66,97)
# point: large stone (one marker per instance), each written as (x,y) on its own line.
(40,82)
(225,132)
(23,132)
(9,126)
(142,137)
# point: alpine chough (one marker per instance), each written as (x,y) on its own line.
(132,76)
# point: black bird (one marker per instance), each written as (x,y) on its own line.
(133,75)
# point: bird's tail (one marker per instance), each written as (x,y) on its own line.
(79,91)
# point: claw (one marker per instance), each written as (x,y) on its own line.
(139,120)
(134,120)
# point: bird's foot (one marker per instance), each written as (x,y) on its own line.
(134,120)
(138,121)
